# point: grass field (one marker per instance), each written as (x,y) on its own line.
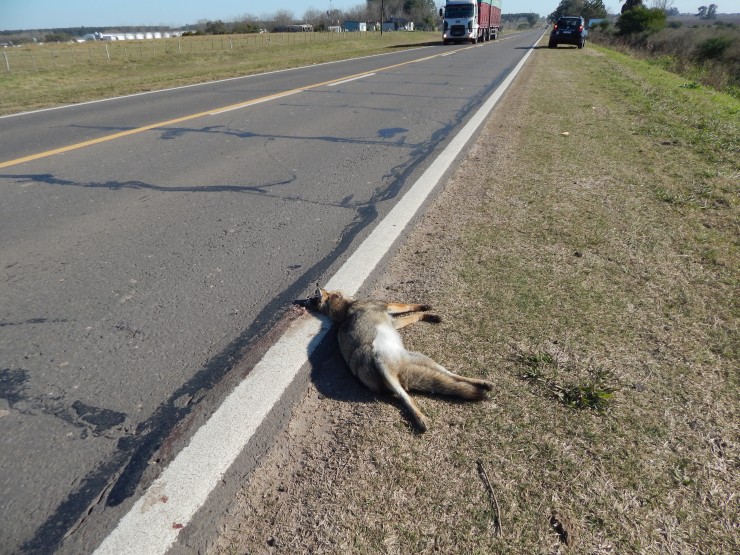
(585,259)
(47,75)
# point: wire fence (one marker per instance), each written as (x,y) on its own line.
(47,56)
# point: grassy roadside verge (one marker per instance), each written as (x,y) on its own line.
(593,277)
(75,79)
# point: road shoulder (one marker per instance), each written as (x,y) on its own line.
(337,420)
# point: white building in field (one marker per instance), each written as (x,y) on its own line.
(131,36)
(398,24)
(355,26)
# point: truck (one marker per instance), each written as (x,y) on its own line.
(470,20)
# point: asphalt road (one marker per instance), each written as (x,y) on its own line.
(150,244)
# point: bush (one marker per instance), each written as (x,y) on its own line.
(641,20)
(713,48)
(58,37)
(724,25)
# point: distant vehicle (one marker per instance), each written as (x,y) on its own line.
(470,20)
(568,30)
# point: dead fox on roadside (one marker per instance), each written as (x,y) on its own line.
(375,353)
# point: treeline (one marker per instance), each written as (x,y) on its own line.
(589,9)
(422,12)
(515,18)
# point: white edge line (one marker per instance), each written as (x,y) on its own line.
(155,520)
(350,79)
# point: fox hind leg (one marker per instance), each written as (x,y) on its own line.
(391,381)
(428,362)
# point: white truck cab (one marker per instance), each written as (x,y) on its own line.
(460,21)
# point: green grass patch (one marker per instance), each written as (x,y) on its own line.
(561,380)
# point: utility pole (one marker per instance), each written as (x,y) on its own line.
(381,17)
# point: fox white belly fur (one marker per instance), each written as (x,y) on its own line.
(388,343)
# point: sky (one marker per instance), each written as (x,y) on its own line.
(46,14)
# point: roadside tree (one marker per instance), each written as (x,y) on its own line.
(640,20)
(589,9)
(631,4)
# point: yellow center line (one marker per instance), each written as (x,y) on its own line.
(214,111)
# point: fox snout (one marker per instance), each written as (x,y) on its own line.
(313,302)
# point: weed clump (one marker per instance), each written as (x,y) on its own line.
(564,379)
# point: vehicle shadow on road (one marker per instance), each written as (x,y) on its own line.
(414,45)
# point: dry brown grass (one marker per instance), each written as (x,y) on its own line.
(587,259)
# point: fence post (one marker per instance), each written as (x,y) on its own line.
(33,59)
(179,47)
(107,54)
(7,63)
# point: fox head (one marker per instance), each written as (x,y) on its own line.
(332,303)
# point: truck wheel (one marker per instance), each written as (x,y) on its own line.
(552,44)
(445,42)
